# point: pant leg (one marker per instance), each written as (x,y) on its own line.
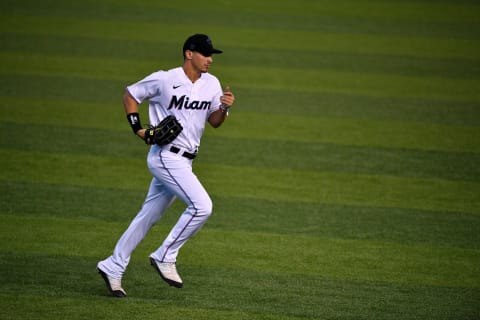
(178,176)
(157,201)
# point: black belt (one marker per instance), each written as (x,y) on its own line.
(185,154)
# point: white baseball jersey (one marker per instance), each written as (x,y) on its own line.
(173,93)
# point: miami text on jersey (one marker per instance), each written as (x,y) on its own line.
(183,102)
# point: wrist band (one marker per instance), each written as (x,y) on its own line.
(134,120)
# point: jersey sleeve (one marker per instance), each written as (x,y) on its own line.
(147,87)
(217,90)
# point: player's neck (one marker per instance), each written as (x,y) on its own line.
(191,73)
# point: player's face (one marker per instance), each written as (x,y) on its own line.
(200,62)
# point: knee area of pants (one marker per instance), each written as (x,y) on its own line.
(205,208)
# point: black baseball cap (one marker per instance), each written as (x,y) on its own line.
(200,43)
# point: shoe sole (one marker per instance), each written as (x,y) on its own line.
(169,281)
(115,293)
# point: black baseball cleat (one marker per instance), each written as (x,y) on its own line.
(113,285)
(168,272)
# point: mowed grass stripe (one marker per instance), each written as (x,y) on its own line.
(386,134)
(69,90)
(165,53)
(247,37)
(78,67)
(303,15)
(340,158)
(57,112)
(406,226)
(317,80)
(279,127)
(83,94)
(343,188)
(257,153)
(367,84)
(331,258)
(269,184)
(417,12)
(359,106)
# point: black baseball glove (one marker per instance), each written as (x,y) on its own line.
(164,132)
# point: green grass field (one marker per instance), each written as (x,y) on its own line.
(346,181)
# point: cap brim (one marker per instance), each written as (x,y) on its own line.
(208,53)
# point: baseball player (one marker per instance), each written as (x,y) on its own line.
(191,97)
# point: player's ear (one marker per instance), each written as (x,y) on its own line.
(188,54)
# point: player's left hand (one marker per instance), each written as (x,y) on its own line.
(228,98)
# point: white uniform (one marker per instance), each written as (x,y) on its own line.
(170,93)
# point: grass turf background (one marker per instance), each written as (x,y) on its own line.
(346,181)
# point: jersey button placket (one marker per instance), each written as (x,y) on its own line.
(192,96)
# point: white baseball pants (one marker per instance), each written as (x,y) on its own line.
(172,178)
